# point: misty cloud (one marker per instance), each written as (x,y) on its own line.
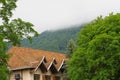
(51,14)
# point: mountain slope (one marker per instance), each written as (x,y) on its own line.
(53,40)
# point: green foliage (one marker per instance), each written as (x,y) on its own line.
(2,1)
(11,31)
(6,9)
(15,30)
(98,53)
(53,40)
(3,60)
(70,48)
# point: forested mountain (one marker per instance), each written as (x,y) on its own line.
(56,40)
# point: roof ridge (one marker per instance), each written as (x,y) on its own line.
(38,50)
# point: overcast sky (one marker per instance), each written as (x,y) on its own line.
(53,14)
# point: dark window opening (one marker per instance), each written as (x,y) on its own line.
(36,76)
(17,76)
(47,77)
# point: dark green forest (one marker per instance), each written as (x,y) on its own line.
(53,40)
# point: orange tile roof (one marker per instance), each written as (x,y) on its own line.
(21,57)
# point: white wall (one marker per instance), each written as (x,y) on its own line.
(28,75)
(25,74)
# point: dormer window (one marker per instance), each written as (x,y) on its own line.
(17,76)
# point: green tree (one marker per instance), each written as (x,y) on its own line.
(70,48)
(97,56)
(11,31)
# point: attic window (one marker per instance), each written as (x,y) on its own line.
(17,76)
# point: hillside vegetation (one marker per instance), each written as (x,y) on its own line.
(56,40)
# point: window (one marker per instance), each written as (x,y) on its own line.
(36,77)
(47,77)
(57,77)
(17,76)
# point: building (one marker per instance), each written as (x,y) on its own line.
(30,64)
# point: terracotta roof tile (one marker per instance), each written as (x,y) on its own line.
(21,57)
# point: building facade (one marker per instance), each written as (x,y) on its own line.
(30,64)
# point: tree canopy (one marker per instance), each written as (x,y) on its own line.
(97,56)
(11,31)
(70,48)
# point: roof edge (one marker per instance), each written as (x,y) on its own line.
(51,64)
(61,64)
(21,68)
(39,63)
